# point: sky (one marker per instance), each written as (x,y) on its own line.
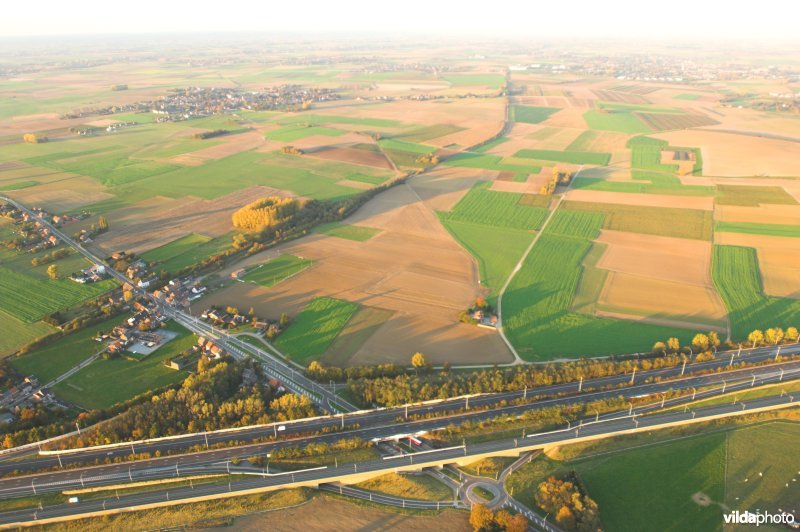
(764,20)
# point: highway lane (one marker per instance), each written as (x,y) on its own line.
(591,390)
(388,418)
(388,464)
(165,466)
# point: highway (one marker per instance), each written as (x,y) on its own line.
(454,410)
(621,422)
(274,366)
(389,428)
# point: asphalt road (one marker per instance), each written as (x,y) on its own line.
(388,464)
(384,426)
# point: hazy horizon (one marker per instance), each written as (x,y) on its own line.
(617,19)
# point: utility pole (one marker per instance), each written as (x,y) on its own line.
(59,461)
(683,369)
(753,382)
(525,393)
(731,361)
(580,384)
(633,375)
(206,435)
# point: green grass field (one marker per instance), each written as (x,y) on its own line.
(499,209)
(493,81)
(276,270)
(175,248)
(30,299)
(661,186)
(15,333)
(663,221)
(650,486)
(190,255)
(104,383)
(293,133)
(581,224)
(348,232)
(748,196)
(309,118)
(496,249)
(622,121)
(421,134)
(528,114)
(792,231)
(686,96)
(55,359)
(365,322)
(491,144)
(736,276)
(420,487)
(406,146)
(490,162)
(536,314)
(315,328)
(574,157)
(663,499)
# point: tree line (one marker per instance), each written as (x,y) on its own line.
(214,397)
(482,519)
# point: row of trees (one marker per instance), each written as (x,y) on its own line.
(773,336)
(213,398)
(483,519)
(392,385)
(47,258)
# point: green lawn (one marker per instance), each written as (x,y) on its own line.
(105,383)
(498,209)
(528,114)
(175,248)
(292,133)
(273,272)
(54,359)
(349,232)
(758,229)
(574,157)
(622,121)
(315,328)
(736,276)
(496,249)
